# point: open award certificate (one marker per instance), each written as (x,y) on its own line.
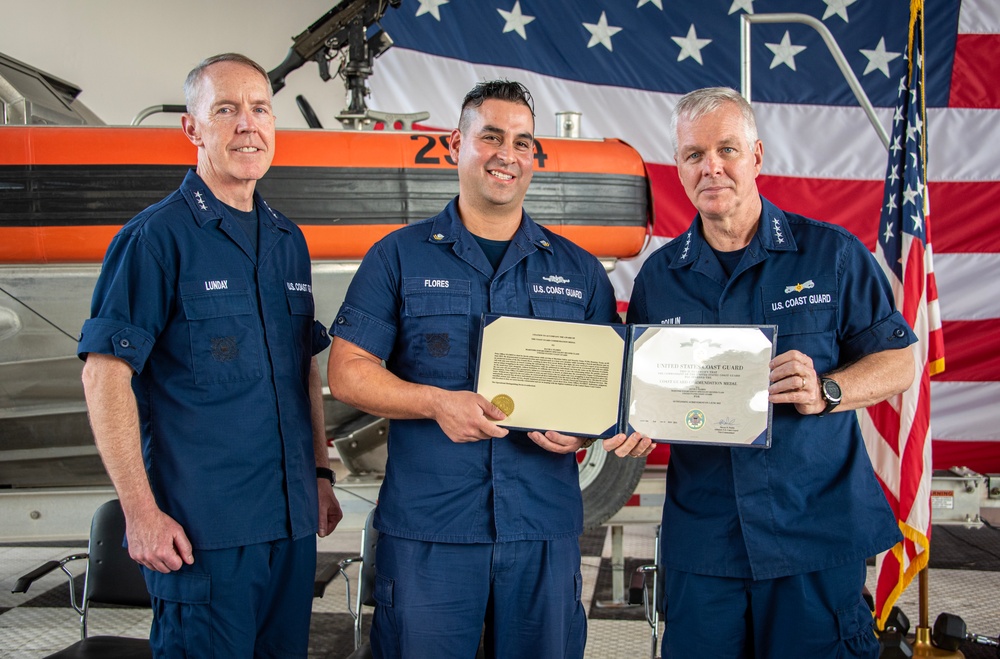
(701,383)
(704,384)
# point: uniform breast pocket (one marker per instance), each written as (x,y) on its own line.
(557,310)
(806,316)
(437,328)
(557,296)
(225,339)
(302,312)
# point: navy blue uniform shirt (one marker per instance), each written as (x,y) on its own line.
(220,338)
(811,501)
(416,302)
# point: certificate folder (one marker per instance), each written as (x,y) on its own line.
(699,384)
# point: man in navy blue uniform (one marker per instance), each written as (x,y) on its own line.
(477,524)
(764,550)
(204,391)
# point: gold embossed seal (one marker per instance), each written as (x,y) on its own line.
(504,402)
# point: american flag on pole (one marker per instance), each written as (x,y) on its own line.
(897,431)
(625,64)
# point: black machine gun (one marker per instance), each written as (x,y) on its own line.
(344,25)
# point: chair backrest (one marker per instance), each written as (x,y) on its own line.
(112,576)
(366,585)
(369,540)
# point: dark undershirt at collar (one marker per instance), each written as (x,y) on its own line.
(493,249)
(729,260)
(248,220)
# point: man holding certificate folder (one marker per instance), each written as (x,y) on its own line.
(478,524)
(764,549)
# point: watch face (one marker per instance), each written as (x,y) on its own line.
(831,391)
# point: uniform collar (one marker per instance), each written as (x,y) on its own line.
(773,234)
(447,228)
(205,206)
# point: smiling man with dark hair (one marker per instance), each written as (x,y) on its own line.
(478,525)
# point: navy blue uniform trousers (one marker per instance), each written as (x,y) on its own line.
(727,618)
(433,599)
(250,601)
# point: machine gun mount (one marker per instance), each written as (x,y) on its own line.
(344,27)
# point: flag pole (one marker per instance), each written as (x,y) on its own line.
(899,436)
(922,646)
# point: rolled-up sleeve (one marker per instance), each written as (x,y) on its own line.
(870,321)
(320,337)
(365,331)
(127,342)
(370,313)
(887,334)
(130,305)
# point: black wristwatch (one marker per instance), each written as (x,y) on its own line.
(831,393)
(328,474)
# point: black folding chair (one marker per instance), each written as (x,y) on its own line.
(112,578)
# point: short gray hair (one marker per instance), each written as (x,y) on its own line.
(192,84)
(700,102)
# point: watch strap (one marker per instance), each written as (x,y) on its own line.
(327,473)
(830,402)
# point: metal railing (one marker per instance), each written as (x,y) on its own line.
(831,44)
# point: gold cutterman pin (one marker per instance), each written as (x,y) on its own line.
(504,402)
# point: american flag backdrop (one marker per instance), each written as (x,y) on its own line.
(624,64)
(897,432)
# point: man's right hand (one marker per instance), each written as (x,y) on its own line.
(635,445)
(157,541)
(357,377)
(465,416)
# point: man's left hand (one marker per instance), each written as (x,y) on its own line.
(557,442)
(794,380)
(330,513)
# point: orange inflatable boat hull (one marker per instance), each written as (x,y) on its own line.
(65,191)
